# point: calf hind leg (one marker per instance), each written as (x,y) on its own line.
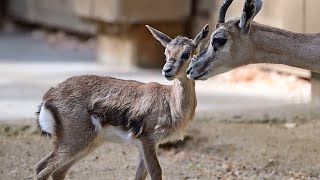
(42,164)
(51,163)
(60,173)
(65,155)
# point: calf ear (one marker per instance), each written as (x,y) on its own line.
(161,37)
(202,35)
(250,9)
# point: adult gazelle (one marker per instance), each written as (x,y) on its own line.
(240,41)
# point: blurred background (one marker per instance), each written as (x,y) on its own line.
(43,42)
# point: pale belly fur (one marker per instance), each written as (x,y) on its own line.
(111,133)
(117,135)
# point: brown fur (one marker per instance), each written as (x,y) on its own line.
(152,112)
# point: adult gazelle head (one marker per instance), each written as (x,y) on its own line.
(229,46)
(178,51)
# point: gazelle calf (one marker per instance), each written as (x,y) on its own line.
(240,41)
(84,111)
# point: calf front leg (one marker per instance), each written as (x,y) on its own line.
(149,152)
(141,173)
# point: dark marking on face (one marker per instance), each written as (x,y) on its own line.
(202,52)
(220,41)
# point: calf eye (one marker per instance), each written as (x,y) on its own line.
(185,56)
(219,41)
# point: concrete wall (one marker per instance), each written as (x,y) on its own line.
(133,46)
(122,37)
(54,13)
(201,10)
(312,23)
(133,11)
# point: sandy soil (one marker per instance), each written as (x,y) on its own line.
(211,151)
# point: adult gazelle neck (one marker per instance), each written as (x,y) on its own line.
(277,46)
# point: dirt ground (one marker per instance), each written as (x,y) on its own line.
(211,150)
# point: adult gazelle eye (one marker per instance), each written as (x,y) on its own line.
(219,41)
(185,56)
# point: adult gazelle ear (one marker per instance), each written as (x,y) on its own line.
(161,37)
(250,9)
(201,36)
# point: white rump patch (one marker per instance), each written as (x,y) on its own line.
(46,120)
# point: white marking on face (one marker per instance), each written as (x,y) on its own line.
(46,120)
